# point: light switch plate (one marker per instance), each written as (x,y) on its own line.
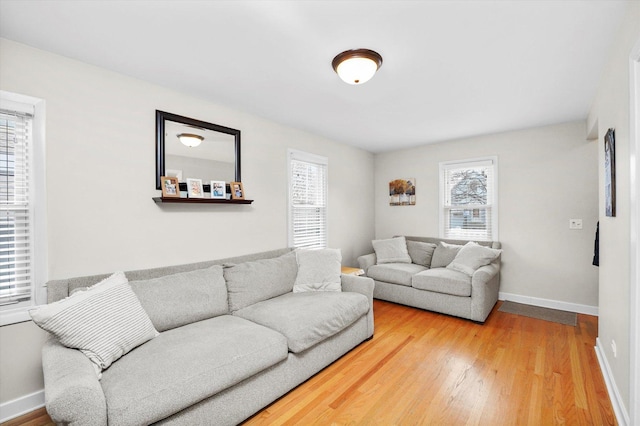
(575,223)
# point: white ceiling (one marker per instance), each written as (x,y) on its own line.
(451,69)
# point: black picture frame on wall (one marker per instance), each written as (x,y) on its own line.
(610,173)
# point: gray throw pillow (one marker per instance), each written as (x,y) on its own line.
(253,282)
(179,299)
(472,256)
(421,252)
(392,250)
(318,270)
(444,254)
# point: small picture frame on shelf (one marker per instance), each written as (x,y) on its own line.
(237,191)
(170,187)
(218,189)
(194,188)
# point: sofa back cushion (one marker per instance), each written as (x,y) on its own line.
(444,254)
(175,300)
(253,282)
(421,252)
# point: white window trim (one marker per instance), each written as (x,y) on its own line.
(10,100)
(294,154)
(494,205)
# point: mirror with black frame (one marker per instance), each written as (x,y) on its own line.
(190,148)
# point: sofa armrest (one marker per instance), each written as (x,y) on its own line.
(485,288)
(484,274)
(367,260)
(73,394)
(362,285)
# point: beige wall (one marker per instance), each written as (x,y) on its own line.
(101,178)
(611,110)
(546,176)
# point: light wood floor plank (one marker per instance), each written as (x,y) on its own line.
(423,368)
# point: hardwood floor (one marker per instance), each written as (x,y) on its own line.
(423,368)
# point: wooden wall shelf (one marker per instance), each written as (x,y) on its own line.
(160,200)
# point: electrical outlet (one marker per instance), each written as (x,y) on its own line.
(575,223)
(614,348)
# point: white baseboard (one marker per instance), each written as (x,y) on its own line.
(548,303)
(19,406)
(622,415)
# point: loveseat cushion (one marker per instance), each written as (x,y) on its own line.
(306,319)
(444,254)
(395,273)
(443,280)
(185,365)
(252,282)
(420,252)
(175,300)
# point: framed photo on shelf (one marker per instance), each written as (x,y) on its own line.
(218,189)
(237,191)
(194,188)
(170,187)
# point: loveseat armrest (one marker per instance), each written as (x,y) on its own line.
(367,260)
(362,285)
(485,288)
(484,274)
(73,394)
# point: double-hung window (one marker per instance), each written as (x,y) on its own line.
(468,199)
(22,207)
(307,200)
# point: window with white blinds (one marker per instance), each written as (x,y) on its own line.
(468,199)
(307,200)
(23,218)
(15,209)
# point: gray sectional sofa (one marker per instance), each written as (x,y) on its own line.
(231,340)
(427,275)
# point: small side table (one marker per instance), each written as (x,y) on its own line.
(347,270)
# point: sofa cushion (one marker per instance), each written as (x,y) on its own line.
(442,280)
(179,299)
(392,250)
(187,364)
(421,253)
(444,254)
(306,319)
(253,282)
(395,273)
(318,270)
(472,256)
(104,322)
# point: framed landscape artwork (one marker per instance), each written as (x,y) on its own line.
(610,173)
(402,192)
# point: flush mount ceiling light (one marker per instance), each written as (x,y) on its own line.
(357,66)
(189,139)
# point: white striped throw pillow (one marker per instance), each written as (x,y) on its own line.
(104,322)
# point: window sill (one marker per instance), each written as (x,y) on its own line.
(15,316)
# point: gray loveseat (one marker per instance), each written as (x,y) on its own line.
(426,277)
(226,348)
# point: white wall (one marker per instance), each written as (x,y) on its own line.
(546,176)
(101,178)
(611,110)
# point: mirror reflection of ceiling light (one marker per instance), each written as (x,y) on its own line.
(357,66)
(191,140)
